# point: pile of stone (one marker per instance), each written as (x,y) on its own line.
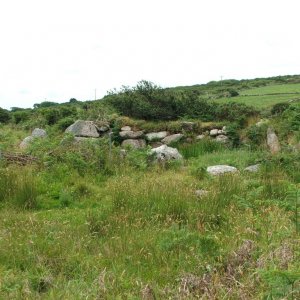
(133,139)
(137,139)
(219,135)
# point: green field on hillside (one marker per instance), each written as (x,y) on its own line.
(273,89)
(264,97)
(260,101)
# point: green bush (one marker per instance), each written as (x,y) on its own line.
(256,135)
(150,102)
(234,112)
(20,116)
(4,115)
(64,123)
(279,108)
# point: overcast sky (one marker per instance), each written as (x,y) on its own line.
(56,50)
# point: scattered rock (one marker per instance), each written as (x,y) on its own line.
(222,138)
(214,132)
(172,138)
(126,128)
(221,169)
(36,134)
(165,153)
(133,143)
(83,129)
(128,134)
(26,142)
(155,136)
(200,137)
(272,141)
(39,133)
(188,126)
(201,193)
(224,129)
(253,168)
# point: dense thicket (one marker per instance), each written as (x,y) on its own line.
(150,102)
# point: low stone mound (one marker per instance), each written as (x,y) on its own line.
(221,169)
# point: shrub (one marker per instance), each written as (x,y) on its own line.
(20,116)
(64,123)
(233,93)
(235,112)
(279,108)
(232,131)
(4,115)
(256,134)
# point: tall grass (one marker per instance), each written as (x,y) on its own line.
(19,187)
(202,147)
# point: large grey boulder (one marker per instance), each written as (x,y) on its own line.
(83,129)
(156,136)
(221,169)
(134,143)
(165,153)
(172,138)
(129,134)
(272,141)
(39,133)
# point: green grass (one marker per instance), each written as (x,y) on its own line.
(82,226)
(272,89)
(261,97)
(109,239)
(260,102)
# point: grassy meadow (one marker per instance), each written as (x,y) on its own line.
(266,96)
(83,223)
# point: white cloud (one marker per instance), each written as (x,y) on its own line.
(57,50)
